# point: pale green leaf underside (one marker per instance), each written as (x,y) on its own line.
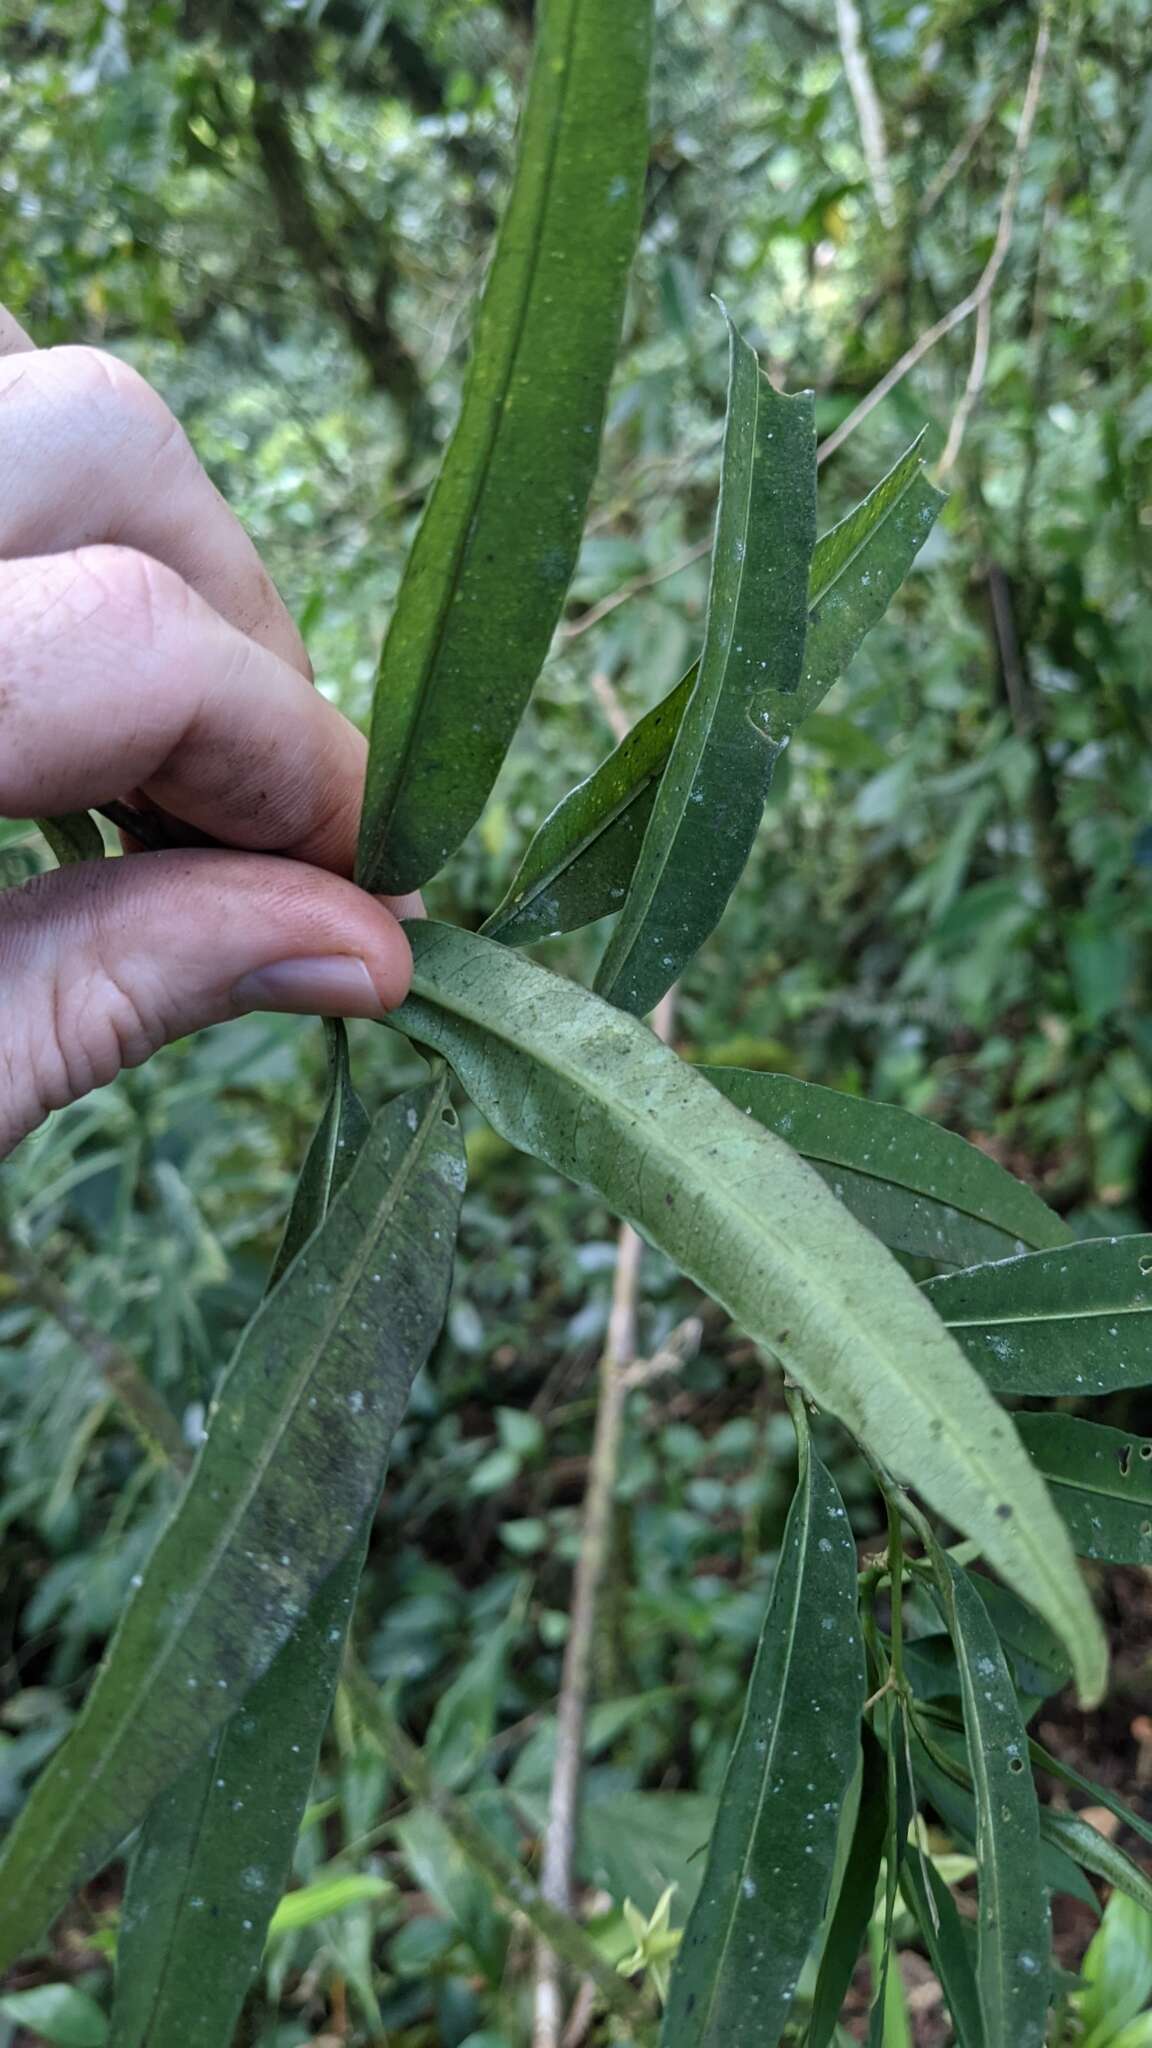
(770,1859)
(563,1076)
(293,1460)
(1077,1320)
(578,866)
(490,565)
(920,1188)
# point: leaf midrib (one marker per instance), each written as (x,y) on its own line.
(397,1186)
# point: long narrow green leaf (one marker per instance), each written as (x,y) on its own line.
(216,1847)
(887,2016)
(950,1793)
(742,710)
(1014,1939)
(594,1093)
(1101,1481)
(578,866)
(1100,1795)
(917,1187)
(297,1443)
(1077,1320)
(849,1923)
(336,1145)
(1078,1839)
(490,565)
(770,1859)
(943,1935)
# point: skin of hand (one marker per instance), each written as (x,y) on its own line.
(145,655)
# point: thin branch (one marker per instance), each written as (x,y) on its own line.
(986,283)
(565,1934)
(605,694)
(592,617)
(146,1414)
(617,1360)
(866,100)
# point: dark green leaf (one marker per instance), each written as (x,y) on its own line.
(1077,1320)
(1101,1481)
(1100,1795)
(742,710)
(853,1911)
(216,1847)
(1088,1847)
(293,1461)
(1037,1659)
(917,1187)
(336,1144)
(578,866)
(490,564)
(899,1808)
(947,1943)
(770,1860)
(595,1094)
(74,836)
(950,1794)
(1013,1938)
(216,1850)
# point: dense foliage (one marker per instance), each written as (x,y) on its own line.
(281,216)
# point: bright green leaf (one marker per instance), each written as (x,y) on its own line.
(1117,1972)
(297,1444)
(60,2013)
(489,568)
(324,1897)
(917,1187)
(742,710)
(597,1096)
(770,1860)
(1077,1320)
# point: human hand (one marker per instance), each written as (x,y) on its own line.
(145,654)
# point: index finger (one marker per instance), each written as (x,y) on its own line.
(92,454)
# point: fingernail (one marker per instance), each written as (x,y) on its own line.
(339,986)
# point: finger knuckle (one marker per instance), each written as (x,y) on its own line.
(143,594)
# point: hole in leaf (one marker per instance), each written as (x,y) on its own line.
(1125,1460)
(1016,1763)
(1145,1262)
(449,1117)
(1146,1450)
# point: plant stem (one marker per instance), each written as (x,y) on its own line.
(564,1934)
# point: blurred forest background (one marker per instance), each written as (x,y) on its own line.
(280,214)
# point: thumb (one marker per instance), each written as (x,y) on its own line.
(104,962)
